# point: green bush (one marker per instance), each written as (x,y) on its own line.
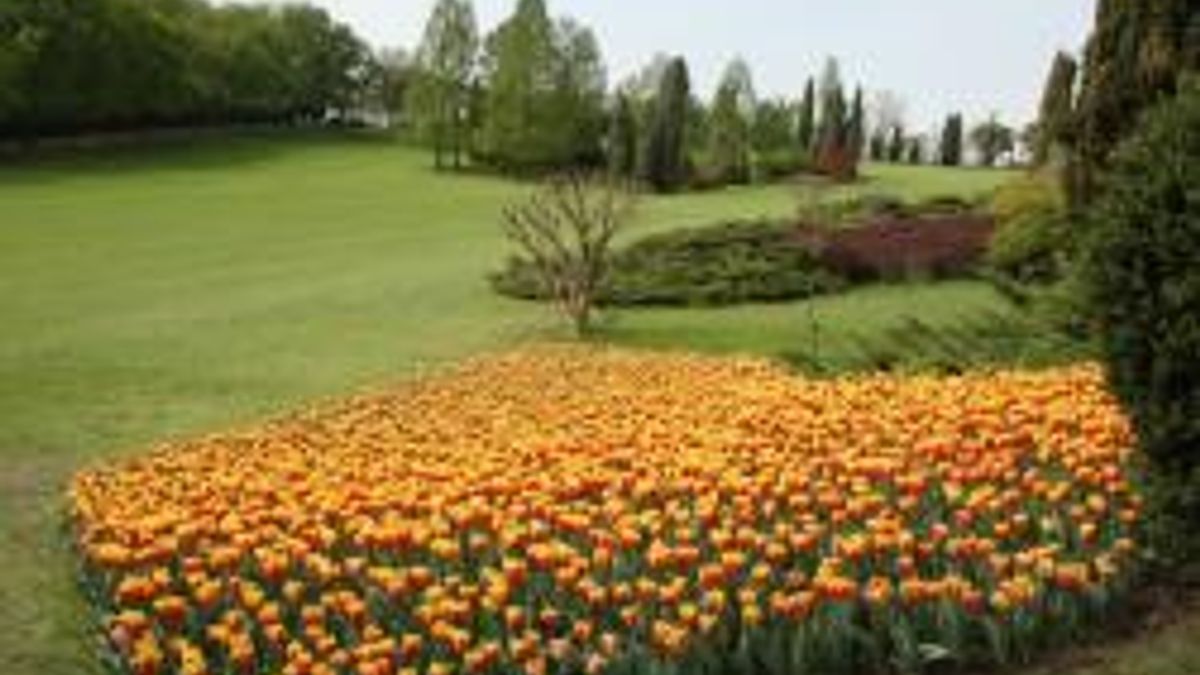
(776,164)
(1032,243)
(722,265)
(857,209)
(1143,280)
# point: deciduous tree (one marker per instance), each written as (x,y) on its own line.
(445,65)
(519,72)
(992,139)
(566,230)
(70,67)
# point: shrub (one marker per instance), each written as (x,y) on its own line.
(857,209)
(945,205)
(768,166)
(1033,236)
(702,177)
(898,247)
(1144,284)
(566,231)
(726,264)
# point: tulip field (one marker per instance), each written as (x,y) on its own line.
(585,510)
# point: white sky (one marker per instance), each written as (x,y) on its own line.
(977,56)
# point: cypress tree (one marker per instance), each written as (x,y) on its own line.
(1134,57)
(950,148)
(806,127)
(833,155)
(665,163)
(895,148)
(832,127)
(856,135)
(914,150)
(623,138)
(1057,107)
(879,146)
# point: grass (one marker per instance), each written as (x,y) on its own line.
(152,294)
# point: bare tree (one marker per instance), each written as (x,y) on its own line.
(566,229)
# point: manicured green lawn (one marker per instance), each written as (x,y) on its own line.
(148,295)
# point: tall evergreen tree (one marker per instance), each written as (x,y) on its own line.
(879,146)
(1056,110)
(950,147)
(914,151)
(1134,57)
(856,135)
(623,138)
(440,100)
(730,122)
(665,164)
(895,146)
(831,131)
(833,155)
(806,126)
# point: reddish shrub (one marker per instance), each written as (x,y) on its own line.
(891,247)
(840,164)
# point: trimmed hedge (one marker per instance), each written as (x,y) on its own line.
(767,261)
(727,264)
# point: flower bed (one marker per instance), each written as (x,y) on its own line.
(564,510)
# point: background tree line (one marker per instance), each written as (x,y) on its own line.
(530,96)
(74,66)
(533,96)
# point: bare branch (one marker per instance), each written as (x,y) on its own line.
(565,231)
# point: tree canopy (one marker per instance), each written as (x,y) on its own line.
(545,83)
(993,140)
(445,66)
(72,67)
